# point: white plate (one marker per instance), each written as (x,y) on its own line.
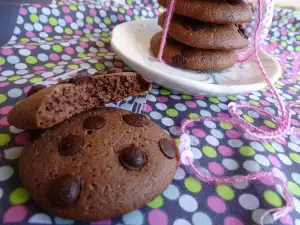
(131,41)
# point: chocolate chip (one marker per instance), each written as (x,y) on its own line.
(34,89)
(234,2)
(136,120)
(36,134)
(64,191)
(94,122)
(179,60)
(132,157)
(81,79)
(168,148)
(70,144)
(242,31)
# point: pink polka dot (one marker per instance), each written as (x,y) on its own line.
(274,161)
(191,104)
(38,68)
(295,122)
(93,12)
(5,110)
(7,51)
(31,47)
(26,89)
(118,64)
(265,128)
(189,125)
(84,44)
(216,168)
(121,17)
(216,204)
(198,132)
(3,121)
(162,99)
(267,94)
(54,57)
(78,32)
(147,108)
(15,214)
(233,134)
(79,62)
(103,222)
(89,26)
(157,216)
(156,12)
(68,19)
(4,84)
(232,220)
(65,9)
(23,11)
(265,103)
(47,29)
(40,72)
(270,181)
(21,139)
(129,12)
(106,8)
(225,150)
(69,50)
(287,220)
(67,36)
(223,115)
(97,57)
(37,5)
(30,34)
(199,97)
(292,92)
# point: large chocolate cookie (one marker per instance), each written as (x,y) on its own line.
(213,11)
(197,59)
(205,35)
(99,164)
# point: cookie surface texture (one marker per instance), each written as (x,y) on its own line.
(99,164)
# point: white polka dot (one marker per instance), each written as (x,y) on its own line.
(230,164)
(196,152)
(79,49)
(223,106)
(270,110)
(40,218)
(261,159)
(13,153)
(28,27)
(194,140)
(13,59)
(201,103)
(20,20)
(212,140)
(257,146)
(180,174)
(284,159)
(21,81)
(55,12)
(294,147)
(171,193)
(15,130)
(248,201)
(279,173)
(32,9)
(235,143)
(217,133)
(58,29)
(277,147)
(215,108)
(17,30)
(181,222)
(47,74)
(201,218)
(205,113)
(251,166)
(43,57)
(20,66)
(297,222)
(79,15)
(188,203)
(1,193)
(6,172)
(296,177)
(135,217)
(74,26)
(180,107)
(294,139)
(22,72)
(38,26)
(43,18)
(241,185)
(14,93)
(28,76)
(155,115)
(258,213)
(7,73)
(210,124)
(46,11)
(3,78)
(241,97)
(24,52)
(254,97)
(297,204)
(167,121)
(61,22)
(161,106)
(253,114)
(45,47)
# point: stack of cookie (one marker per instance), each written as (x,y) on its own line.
(204,34)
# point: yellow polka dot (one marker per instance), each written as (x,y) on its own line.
(19,196)
(35,80)
(225,192)
(226,126)
(294,188)
(247,151)
(2,60)
(4,139)
(253,102)
(269,148)
(248,118)
(13,78)
(214,100)
(295,157)
(177,142)
(272,198)
(192,184)
(270,124)
(99,66)
(49,65)
(3,98)
(73,67)
(156,203)
(232,98)
(193,115)
(31,60)
(209,152)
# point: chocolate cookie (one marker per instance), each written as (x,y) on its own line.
(205,35)
(213,11)
(98,164)
(45,107)
(193,58)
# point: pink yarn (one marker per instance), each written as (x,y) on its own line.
(283,119)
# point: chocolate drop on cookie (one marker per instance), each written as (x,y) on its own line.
(136,120)
(132,157)
(168,148)
(70,144)
(94,122)
(34,89)
(64,191)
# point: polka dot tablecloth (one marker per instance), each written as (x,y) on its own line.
(51,41)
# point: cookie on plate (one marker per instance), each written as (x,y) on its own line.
(192,58)
(99,164)
(204,35)
(45,107)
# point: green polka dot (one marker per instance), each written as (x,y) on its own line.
(73,7)
(121,10)
(297,48)
(19,196)
(2,60)
(293,29)
(283,43)
(161,10)
(209,152)
(105,40)
(12,78)
(226,126)
(177,142)
(232,98)
(73,67)
(31,60)
(129,2)
(248,118)
(49,65)
(156,203)
(116,57)
(172,112)
(253,102)
(137,18)
(104,34)
(24,40)
(278,86)
(295,157)
(272,198)
(52,21)
(100,54)
(34,18)
(68,30)
(99,66)
(81,55)
(88,35)
(193,115)
(293,88)
(84,39)
(263,90)
(247,151)
(214,100)
(225,192)
(57,48)
(4,139)
(35,79)
(49,38)
(187,97)
(269,148)
(165,92)
(192,184)
(89,20)
(107,20)
(294,188)
(270,124)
